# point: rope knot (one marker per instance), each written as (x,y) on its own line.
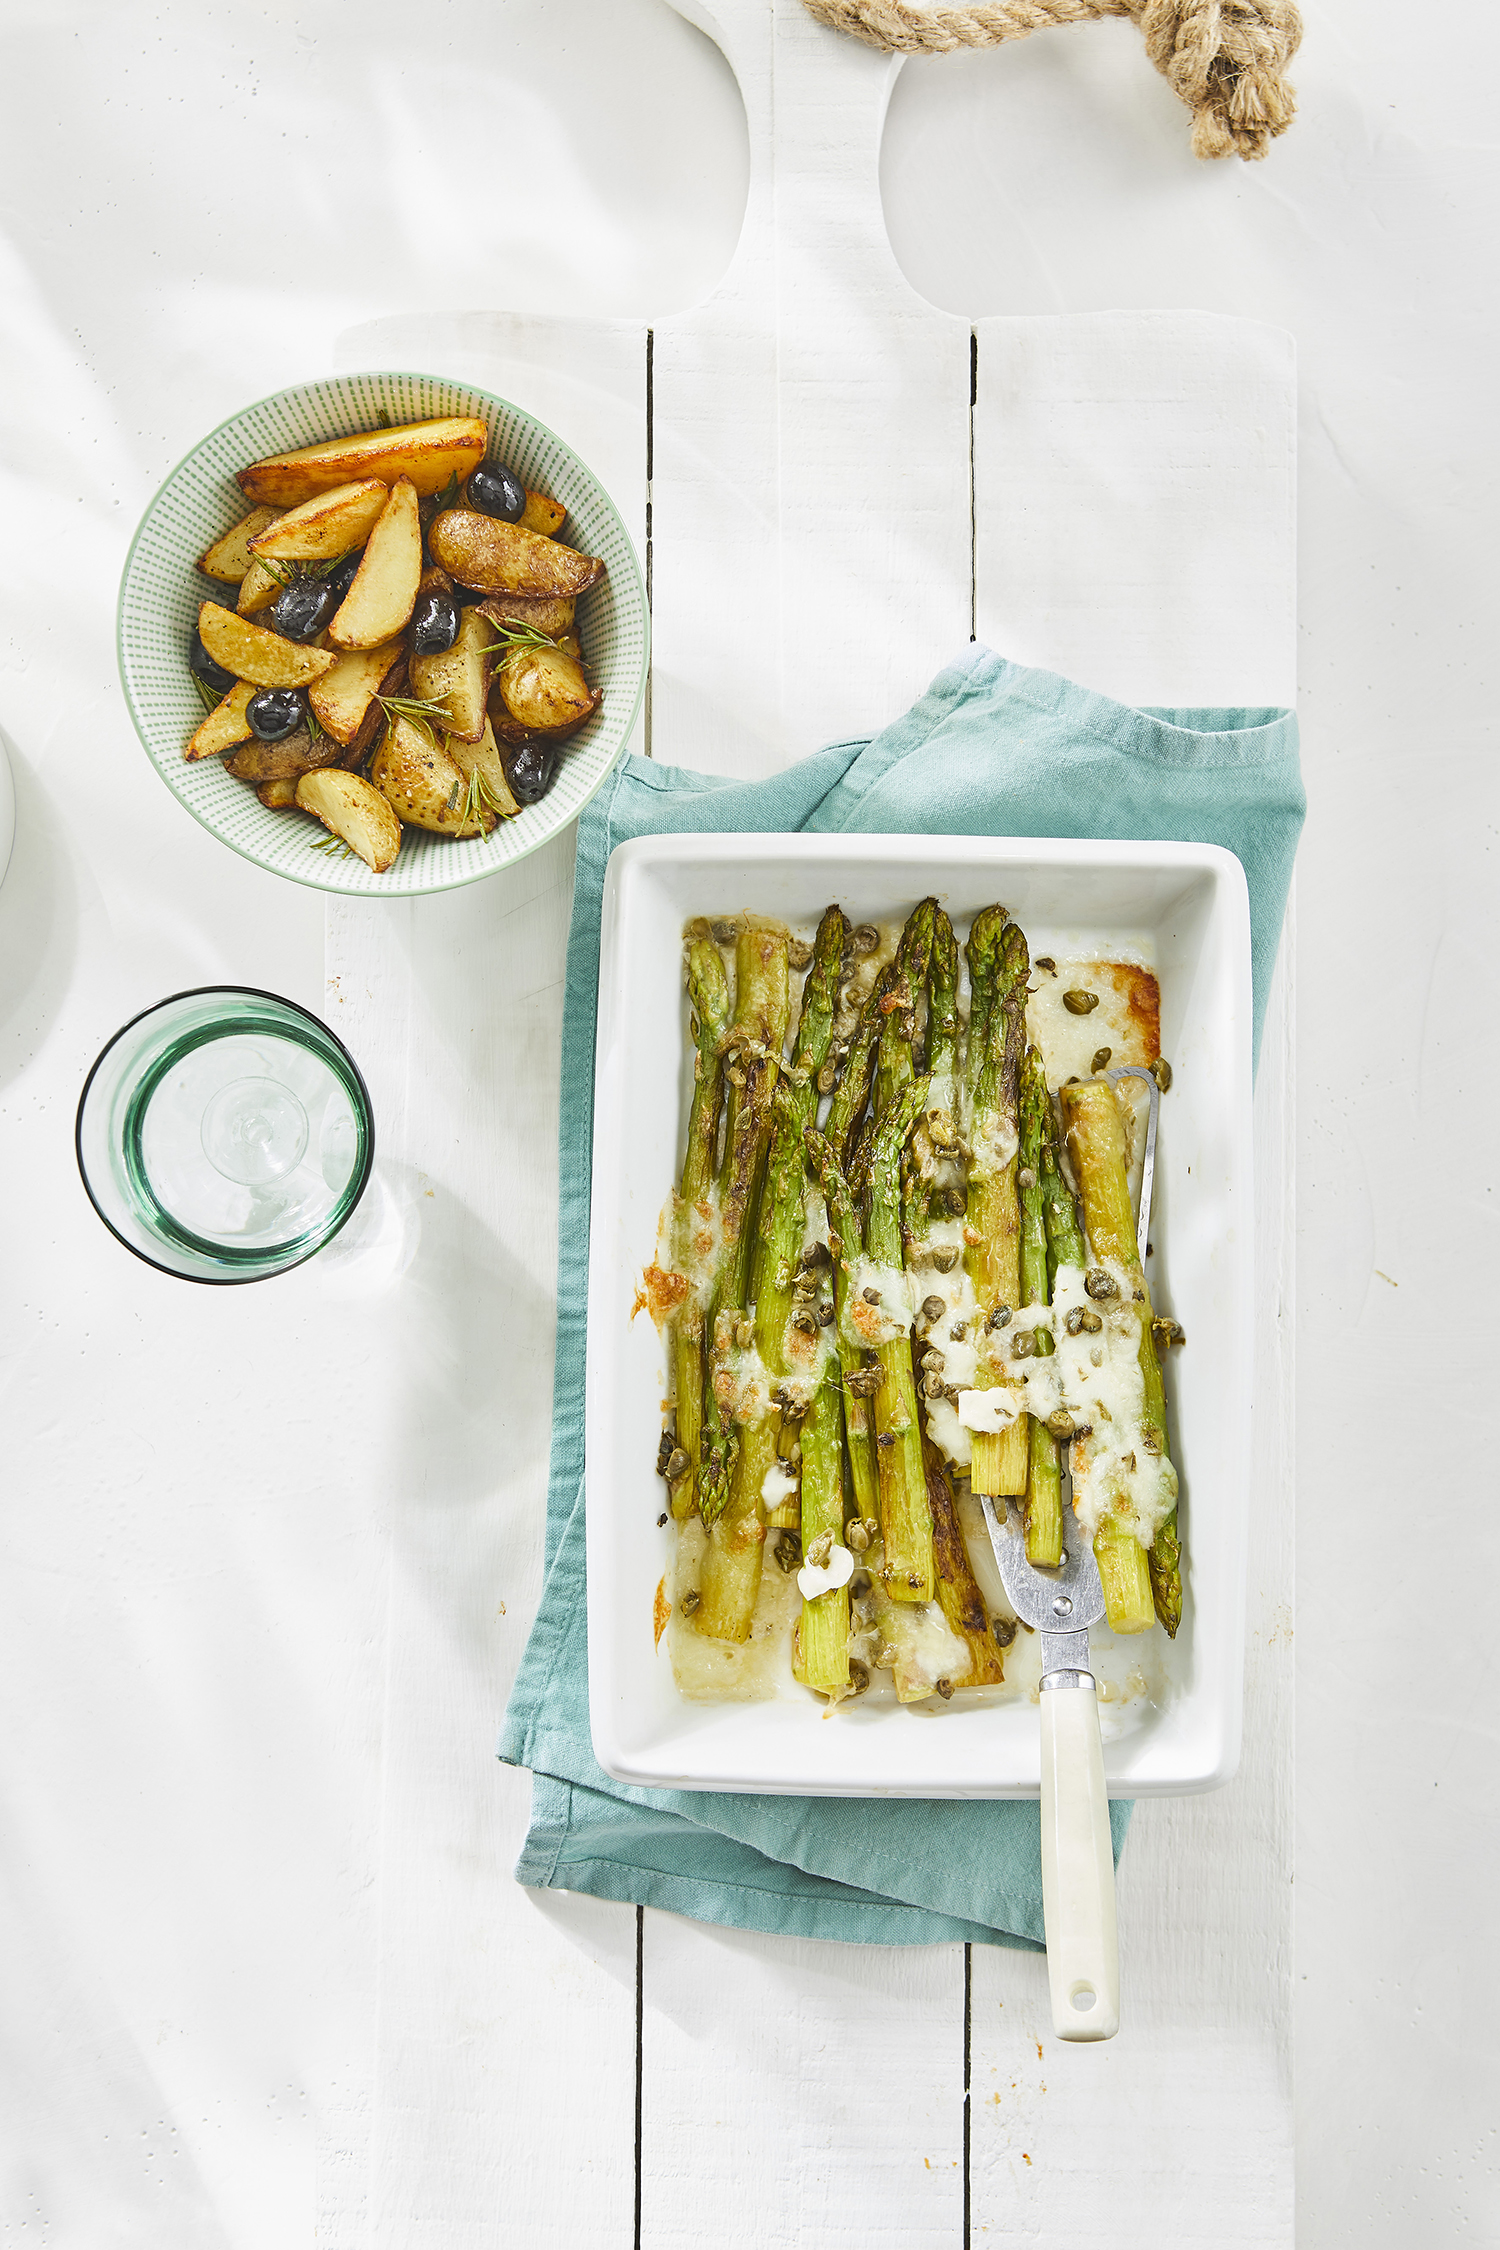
(1226,59)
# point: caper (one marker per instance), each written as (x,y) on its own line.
(828,1077)
(933,1308)
(872,1527)
(1004,1630)
(999,1317)
(857,1536)
(1100,1284)
(805,1323)
(664,1452)
(819,1552)
(1026,1178)
(798,953)
(1091,1322)
(866,938)
(1045,961)
(859,1676)
(885,1657)
(1023,1344)
(725,933)
(859,1584)
(1101,1058)
(955,1202)
(815,1257)
(885,1440)
(946,1258)
(1080,1003)
(825,1315)
(1167,1331)
(691,1601)
(678,1464)
(871,1296)
(932,1386)
(958,1331)
(1074,1320)
(1060,1423)
(945,1690)
(1161,1071)
(788,1552)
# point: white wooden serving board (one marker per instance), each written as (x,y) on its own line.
(844,484)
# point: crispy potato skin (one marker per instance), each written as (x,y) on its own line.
(277,796)
(426,453)
(230,558)
(341,700)
(374,722)
(423,785)
(282,761)
(551,614)
(504,558)
(251,653)
(324,528)
(354,811)
(258,589)
(383,595)
(544,691)
(223,727)
(459,677)
(543,515)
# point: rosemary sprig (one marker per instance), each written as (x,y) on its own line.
(481,799)
(331,846)
(209,700)
(312,725)
(513,634)
(420,710)
(286,573)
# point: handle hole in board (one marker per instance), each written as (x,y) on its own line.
(1083,1999)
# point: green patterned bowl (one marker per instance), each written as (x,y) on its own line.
(162,588)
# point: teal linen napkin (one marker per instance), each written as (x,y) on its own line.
(992,749)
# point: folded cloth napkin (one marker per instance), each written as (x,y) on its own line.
(992,749)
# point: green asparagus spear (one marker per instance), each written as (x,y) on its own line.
(853,1089)
(905,1517)
(732,1560)
(708,997)
(844,1244)
(1044,1490)
(1099,1157)
(823,1633)
(936,1194)
(998,968)
(902,1004)
(753,1046)
(957,1588)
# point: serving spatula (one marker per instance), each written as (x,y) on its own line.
(1078,1861)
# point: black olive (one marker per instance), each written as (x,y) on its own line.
(211,673)
(495,492)
(301,610)
(341,577)
(531,771)
(434,622)
(275,712)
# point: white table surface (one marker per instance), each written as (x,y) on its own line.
(243,1533)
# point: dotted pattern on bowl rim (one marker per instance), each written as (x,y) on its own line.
(162,589)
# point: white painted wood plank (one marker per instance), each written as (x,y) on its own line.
(1166,443)
(499,2013)
(800,2093)
(1180,2130)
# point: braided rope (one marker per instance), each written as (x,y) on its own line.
(1226,59)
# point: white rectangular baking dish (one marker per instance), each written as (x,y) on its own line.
(1183,909)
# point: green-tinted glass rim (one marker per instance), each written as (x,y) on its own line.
(341,1060)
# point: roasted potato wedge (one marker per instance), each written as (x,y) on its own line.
(427,454)
(483,758)
(355,812)
(551,614)
(341,699)
(230,558)
(543,515)
(251,653)
(420,780)
(544,690)
(323,529)
(277,796)
(225,726)
(282,761)
(459,678)
(502,558)
(380,601)
(258,589)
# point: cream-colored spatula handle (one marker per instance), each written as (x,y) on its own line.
(1078,1864)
